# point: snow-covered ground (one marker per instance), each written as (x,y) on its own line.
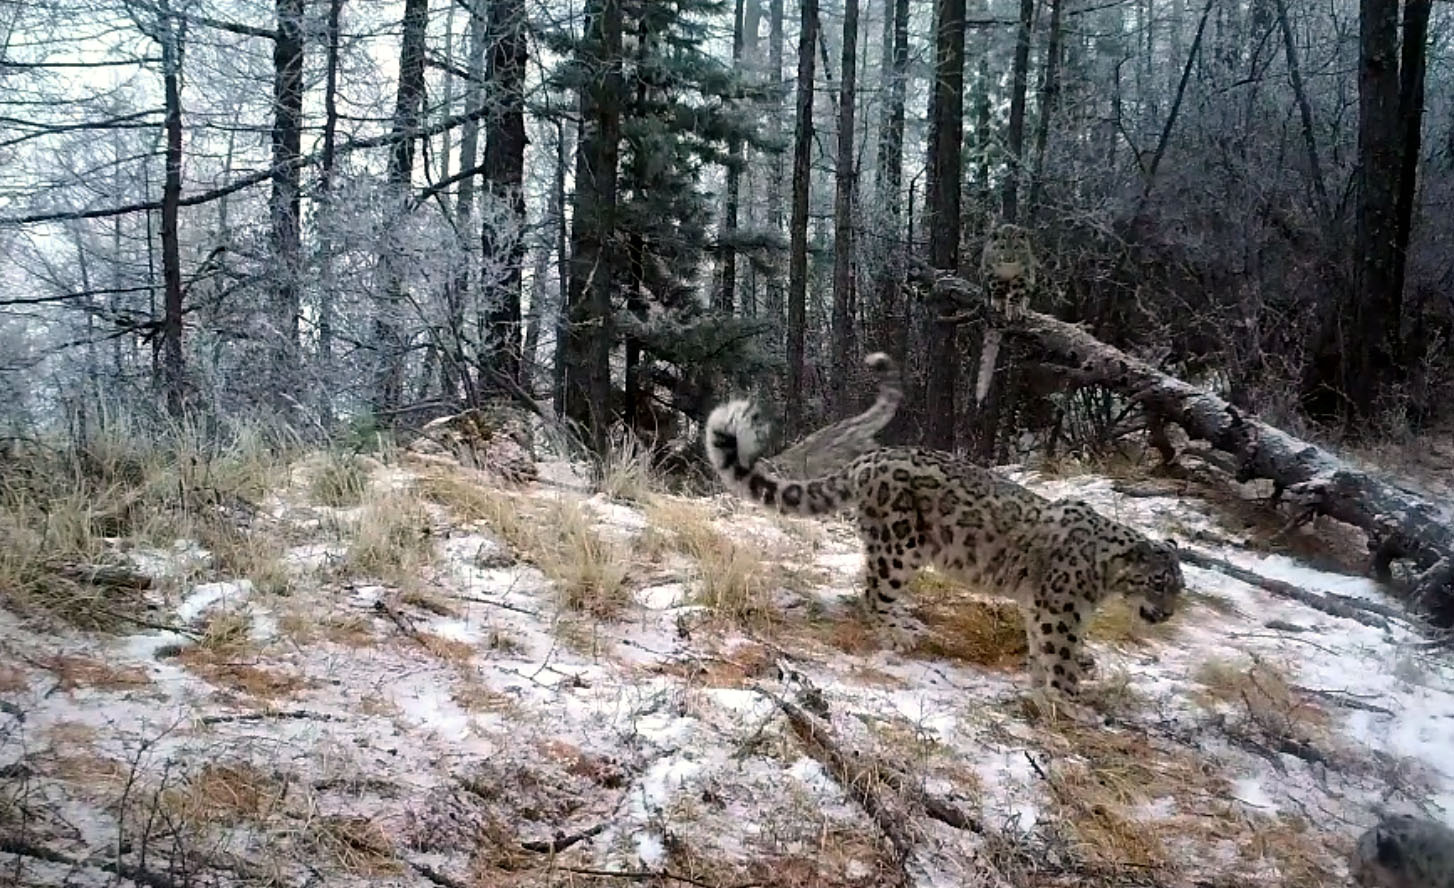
(466,729)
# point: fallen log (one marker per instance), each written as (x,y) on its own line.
(1401,524)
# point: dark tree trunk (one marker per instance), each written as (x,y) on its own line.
(173,380)
(1015,134)
(798,246)
(1353,366)
(504,250)
(388,338)
(946,136)
(327,220)
(1049,99)
(590,333)
(845,312)
(1411,122)
(285,205)
(727,292)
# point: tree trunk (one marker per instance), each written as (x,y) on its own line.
(590,333)
(775,298)
(1305,113)
(727,291)
(173,30)
(1353,366)
(326,217)
(1015,134)
(845,312)
(798,246)
(1411,123)
(504,250)
(893,326)
(457,290)
(285,206)
(1049,99)
(562,273)
(946,137)
(388,337)
(1400,524)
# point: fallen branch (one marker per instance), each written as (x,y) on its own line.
(1401,523)
(136,874)
(260,716)
(855,779)
(1343,699)
(399,620)
(435,876)
(562,842)
(653,875)
(110,575)
(1348,608)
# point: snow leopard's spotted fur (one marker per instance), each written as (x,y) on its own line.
(916,508)
(833,446)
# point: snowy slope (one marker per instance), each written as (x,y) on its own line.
(471,731)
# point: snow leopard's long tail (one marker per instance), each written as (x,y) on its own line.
(734,445)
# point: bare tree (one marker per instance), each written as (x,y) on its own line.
(286,202)
(388,335)
(587,383)
(504,242)
(946,135)
(798,229)
(845,310)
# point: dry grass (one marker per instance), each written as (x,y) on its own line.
(451,650)
(590,571)
(257,555)
(429,601)
(393,541)
(340,482)
(74,671)
(225,794)
(1299,856)
(625,472)
(228,632)
(985,632)
(64,506)
(473,695)
(301,624)
(730,579)
(263,682)
(1093,804)
(354,844)
(1260,691)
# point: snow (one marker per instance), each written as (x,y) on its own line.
(652,725)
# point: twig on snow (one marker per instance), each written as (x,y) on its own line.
(562,842)
(1348,608)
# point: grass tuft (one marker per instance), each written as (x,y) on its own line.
(732,580)
(341,481)
(626,472)
(393,540)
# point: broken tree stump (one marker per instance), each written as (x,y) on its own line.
(1400,523)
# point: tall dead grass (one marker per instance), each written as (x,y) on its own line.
(591,572)
(78,505)
(731,579)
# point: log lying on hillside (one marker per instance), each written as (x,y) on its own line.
(1400,523)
